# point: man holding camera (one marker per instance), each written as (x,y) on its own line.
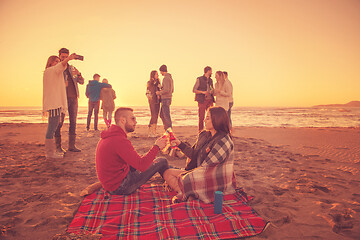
(72,77)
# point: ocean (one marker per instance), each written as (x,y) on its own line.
(241,116)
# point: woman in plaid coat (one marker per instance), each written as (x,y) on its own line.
(210,165)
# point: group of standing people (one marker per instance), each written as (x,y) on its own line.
(205,94)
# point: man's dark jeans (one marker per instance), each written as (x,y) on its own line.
(165,113)
(93,106)
(72,109)
(135,179)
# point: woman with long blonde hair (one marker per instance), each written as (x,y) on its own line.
(222,91)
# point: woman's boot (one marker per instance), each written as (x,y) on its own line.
(59,149)
(50,150)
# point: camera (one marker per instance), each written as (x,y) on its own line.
(79,57)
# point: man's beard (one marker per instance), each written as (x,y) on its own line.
(129,128)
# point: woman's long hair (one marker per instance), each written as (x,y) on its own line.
(50,60)
(152,76)
(220,119)
(221,77)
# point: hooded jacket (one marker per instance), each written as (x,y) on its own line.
(167,87)
(114,156)
(93,90)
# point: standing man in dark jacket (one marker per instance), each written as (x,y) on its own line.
(72,77)
(165,93)
(93,93)
(203,90)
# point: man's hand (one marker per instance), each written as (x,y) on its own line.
(161,142)
(72,56)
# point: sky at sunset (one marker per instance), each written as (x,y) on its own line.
(277,52)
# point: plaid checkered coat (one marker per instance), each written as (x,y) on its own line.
(216,172)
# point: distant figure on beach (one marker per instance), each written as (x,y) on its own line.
(210,164)
(107,96)
(54,100)
(120,169)
(222,91)
(231,98)
(165,93)
(93,89)
(203,90)
(153,86)
(72,77)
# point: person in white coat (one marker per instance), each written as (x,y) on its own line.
(54,99)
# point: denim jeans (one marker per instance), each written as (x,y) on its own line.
(107,115)
(231,104)
(93,106)
(72,109)
(165,113)
(154,110)
(52,126)
(135,179)
(202,109)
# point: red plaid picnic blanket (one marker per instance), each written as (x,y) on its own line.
(148,214)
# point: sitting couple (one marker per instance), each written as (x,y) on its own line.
(209,168)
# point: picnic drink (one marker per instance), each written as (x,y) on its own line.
(171,137)
(166,135)
(218,203)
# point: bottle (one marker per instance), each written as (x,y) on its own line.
(218,203)
(171,137)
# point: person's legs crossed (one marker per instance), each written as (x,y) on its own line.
(135,179)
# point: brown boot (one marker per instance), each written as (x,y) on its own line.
(72,147)
(59,149)
(50,150)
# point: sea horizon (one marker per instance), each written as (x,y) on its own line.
(241,116)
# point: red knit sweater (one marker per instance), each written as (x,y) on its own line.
(114,156)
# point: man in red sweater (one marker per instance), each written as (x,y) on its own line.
(120,169)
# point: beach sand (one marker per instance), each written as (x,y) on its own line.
(305,181)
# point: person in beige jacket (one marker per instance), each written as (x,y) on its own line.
(222,91)
(107,96)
